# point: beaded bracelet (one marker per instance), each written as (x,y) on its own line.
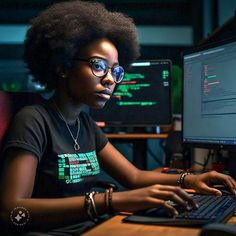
(181,179)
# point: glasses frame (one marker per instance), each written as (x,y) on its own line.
(91,61)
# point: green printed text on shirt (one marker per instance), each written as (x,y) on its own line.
(72,168)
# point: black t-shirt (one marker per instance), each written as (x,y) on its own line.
(61,170)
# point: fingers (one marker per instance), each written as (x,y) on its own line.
(167,205)
(182,197)
(169,208)
(176,195)
(231,184)
(210,191)
(215,177)
(225,179)
(159,196)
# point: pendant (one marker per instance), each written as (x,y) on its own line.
(76,146)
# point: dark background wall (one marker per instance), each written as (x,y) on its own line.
(165,27)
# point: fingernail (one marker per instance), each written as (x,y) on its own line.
(176,213)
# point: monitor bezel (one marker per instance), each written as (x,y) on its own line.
(195,144)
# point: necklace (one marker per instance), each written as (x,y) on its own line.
(76,145)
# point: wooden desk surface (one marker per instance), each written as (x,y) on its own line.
(115,227)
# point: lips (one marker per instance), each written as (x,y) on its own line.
(105,92)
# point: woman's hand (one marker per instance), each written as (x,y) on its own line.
(152,196)
(203,183)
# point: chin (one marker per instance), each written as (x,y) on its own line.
(98,105)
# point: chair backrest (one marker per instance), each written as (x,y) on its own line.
(10,103)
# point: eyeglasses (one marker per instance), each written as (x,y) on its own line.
(100,68)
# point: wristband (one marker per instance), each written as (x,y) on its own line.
(110,208)
(108,200)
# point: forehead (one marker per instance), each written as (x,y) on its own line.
(99,48)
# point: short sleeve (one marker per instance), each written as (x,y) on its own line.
(27,131)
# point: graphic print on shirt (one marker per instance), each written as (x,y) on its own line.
(72,168)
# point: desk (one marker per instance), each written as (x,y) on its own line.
(115,227)
(139,145)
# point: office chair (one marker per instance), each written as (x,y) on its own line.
(10,103)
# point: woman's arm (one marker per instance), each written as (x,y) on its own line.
(113,162)
(122,170)
(18,182)
(16,191)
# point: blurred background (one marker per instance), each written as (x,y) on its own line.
(165,28)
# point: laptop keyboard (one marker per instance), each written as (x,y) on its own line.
(211,209)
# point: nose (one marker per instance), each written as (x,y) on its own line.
(108,78)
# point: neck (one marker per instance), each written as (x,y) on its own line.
(67,107)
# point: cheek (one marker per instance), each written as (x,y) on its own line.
(81,80)
(82,86)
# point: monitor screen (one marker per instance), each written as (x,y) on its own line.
(209,95)
(143,98)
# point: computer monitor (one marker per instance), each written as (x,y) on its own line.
(142,99)
(209,95)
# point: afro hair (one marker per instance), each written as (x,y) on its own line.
(62,29)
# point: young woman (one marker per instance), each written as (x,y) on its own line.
(53,151)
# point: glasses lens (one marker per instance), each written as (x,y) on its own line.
(99,67)
(118,73)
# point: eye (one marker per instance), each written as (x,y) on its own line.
(117,71)
(99,65)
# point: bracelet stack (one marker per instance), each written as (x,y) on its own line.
(90,205)
(182,177)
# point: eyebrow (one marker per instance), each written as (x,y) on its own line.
(98,57)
